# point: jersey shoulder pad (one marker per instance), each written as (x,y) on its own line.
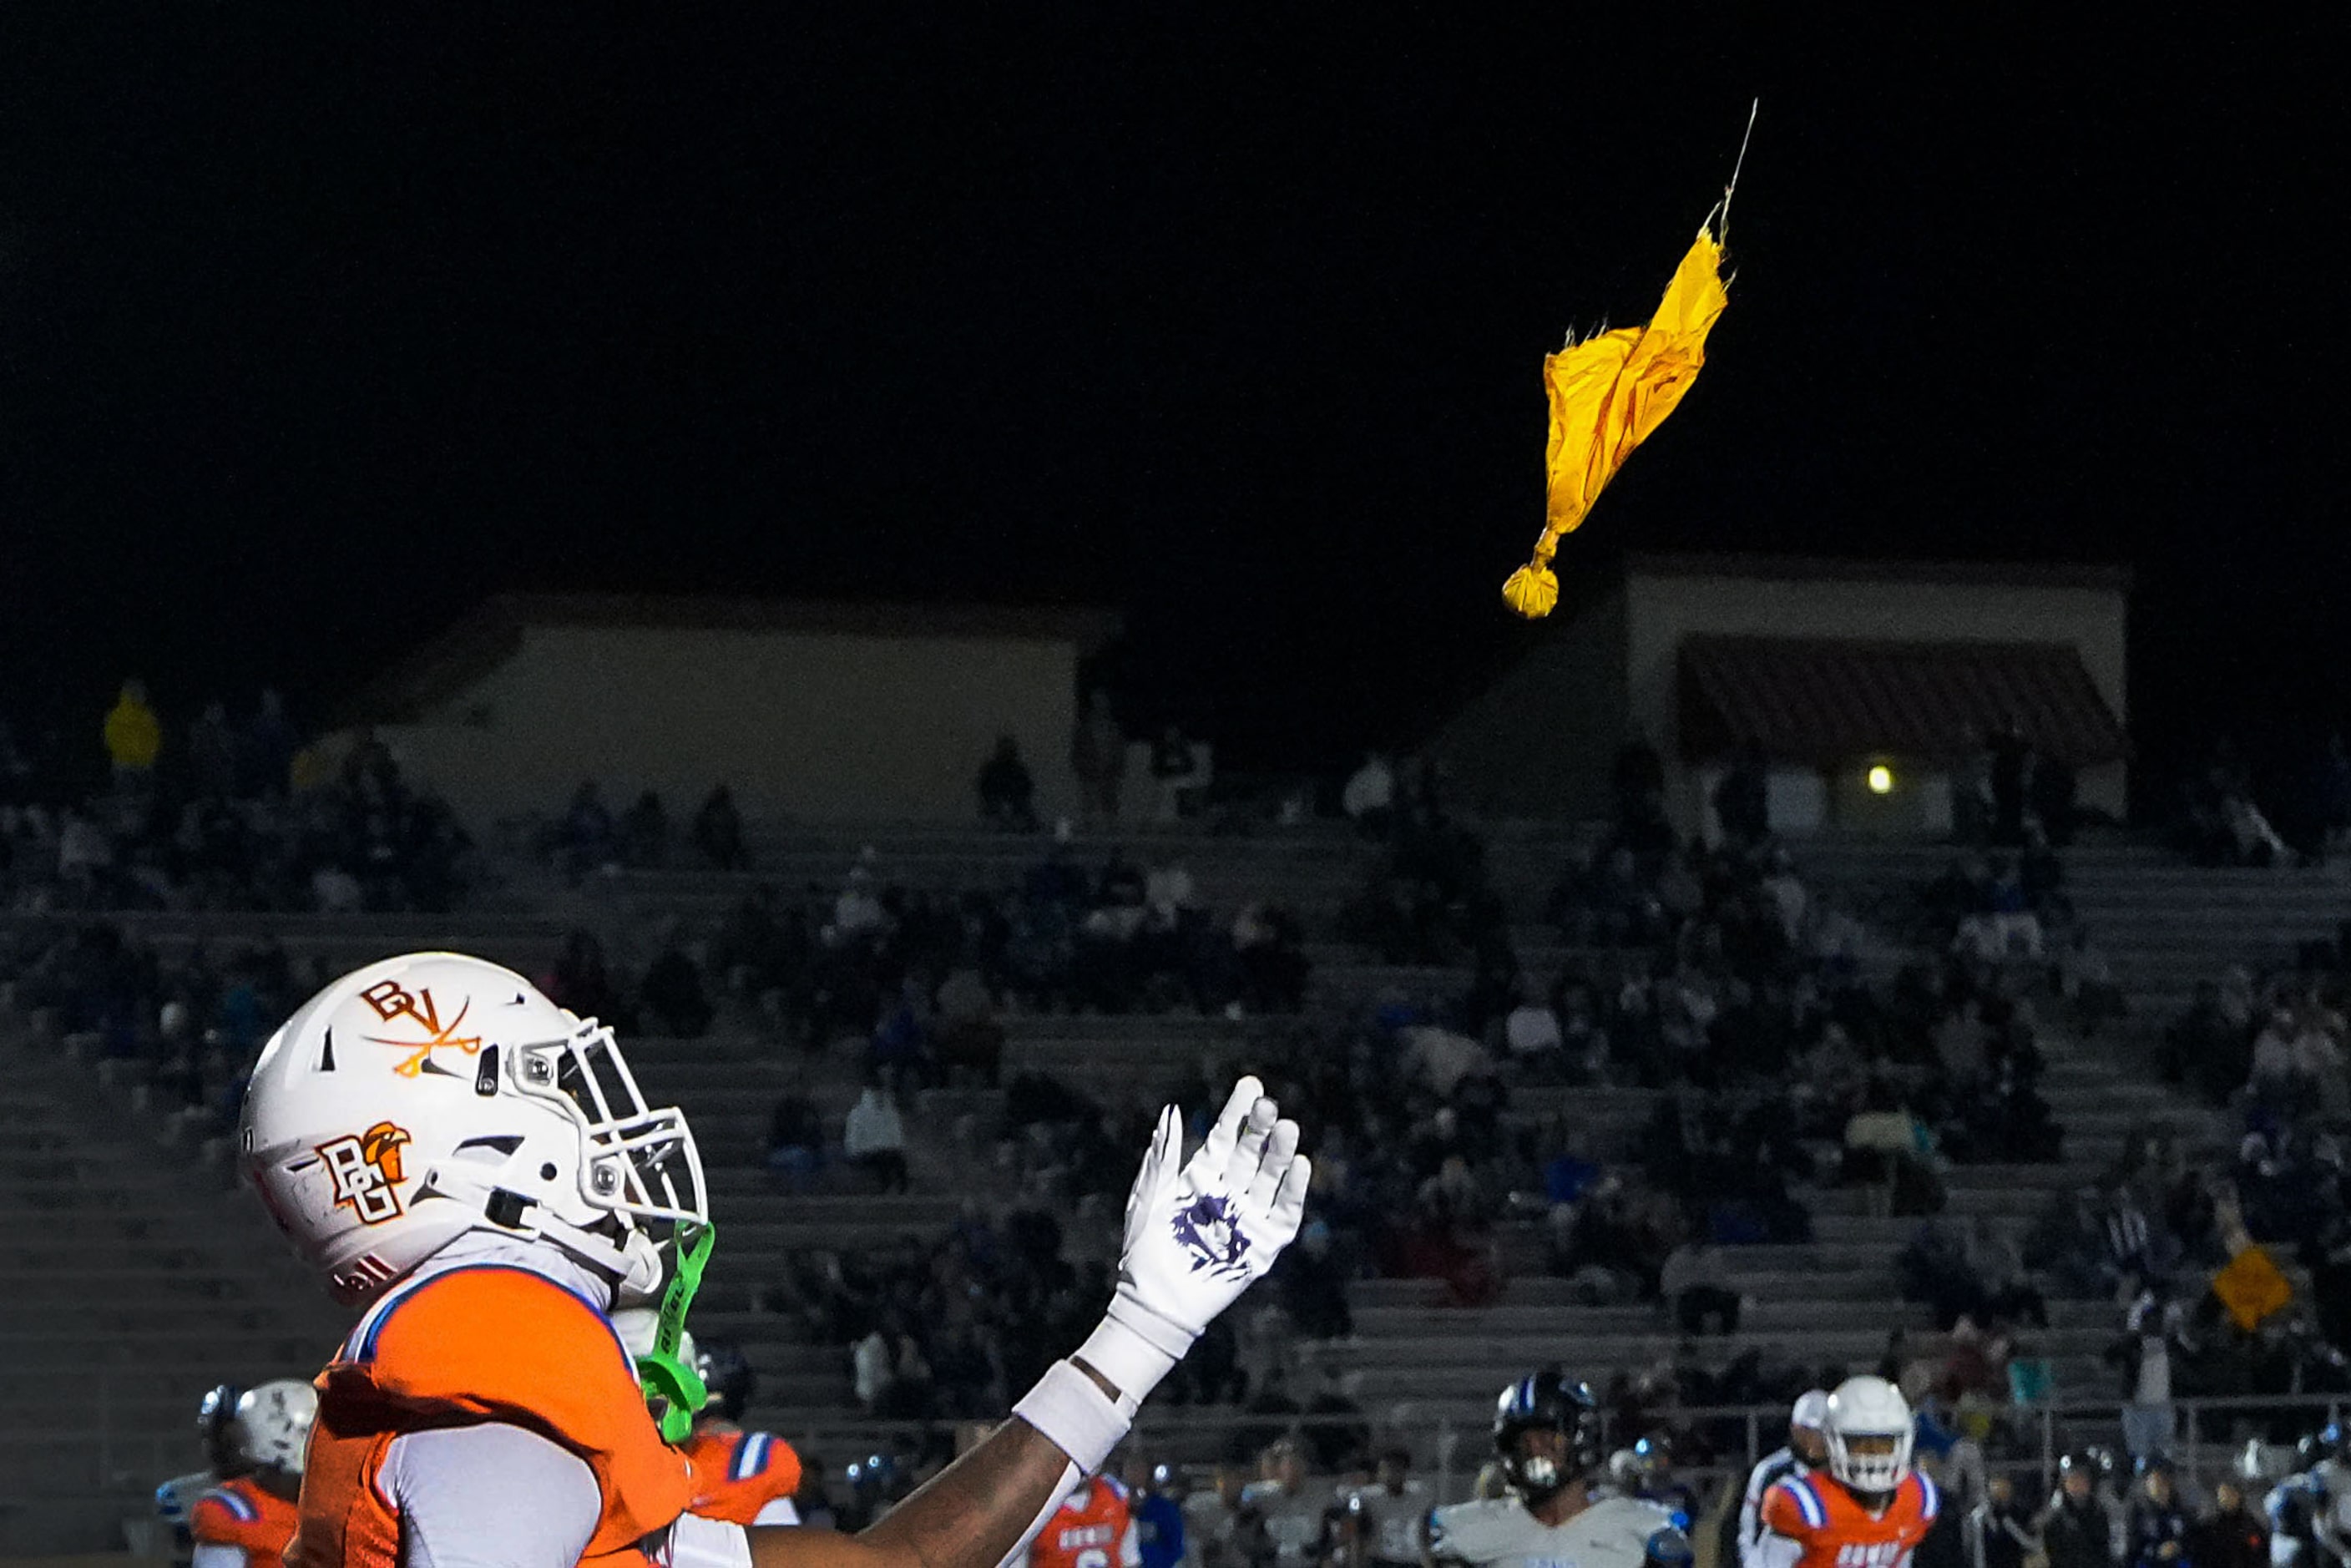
(1633,1518)
(227,1502)
(235,1513)
(1929,1496)
(1794,1507)
(1635,1510)
(762,1454)
(493,1340)
(1472,1532)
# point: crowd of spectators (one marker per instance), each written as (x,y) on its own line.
(1712,974)
(178,1029)
(590,838)
(1779,1054)
(1179,769)
(924,975)
(226,814)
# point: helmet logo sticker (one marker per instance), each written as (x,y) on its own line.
(392,1000)
(1204,1228)
(366,1171)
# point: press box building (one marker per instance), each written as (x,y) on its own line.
(1864,683)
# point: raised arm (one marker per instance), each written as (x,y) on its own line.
(1195,1238)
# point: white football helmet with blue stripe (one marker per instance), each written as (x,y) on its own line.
(271,1429)
(1869,1430)
(433,1094)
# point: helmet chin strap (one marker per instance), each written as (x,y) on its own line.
(674,1391)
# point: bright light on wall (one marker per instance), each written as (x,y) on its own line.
(1881,779)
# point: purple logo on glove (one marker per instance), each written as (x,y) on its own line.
(1206,1229)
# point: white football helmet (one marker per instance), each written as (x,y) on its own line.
(271,1429)
(1869,1429)
(431,1094)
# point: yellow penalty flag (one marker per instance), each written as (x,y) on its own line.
(1607,393)
(2252,1288)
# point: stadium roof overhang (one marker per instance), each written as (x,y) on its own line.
(1832,702)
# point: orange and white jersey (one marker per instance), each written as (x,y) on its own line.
(491,1339)
(1832,1530)
(744,1478)
(237,1524)
(1093,1527)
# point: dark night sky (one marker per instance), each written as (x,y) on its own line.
(314,332)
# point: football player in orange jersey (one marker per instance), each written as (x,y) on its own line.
(246,1521)
(1093,1527)
(750,1477)
(1872,1509)
(477,1169)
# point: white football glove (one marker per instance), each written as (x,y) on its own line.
(1199,1236)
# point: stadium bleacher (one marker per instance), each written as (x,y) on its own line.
(133,1277)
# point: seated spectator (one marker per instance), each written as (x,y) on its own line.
(212,753)
(2275,1081)
(1007,793)
(2231,1534)
(858,913)
(1369,800)
(1935,1269)
(874,1139)
(796,1136)
(1313,1285)
(644,833)
(672,995)
(1098,761)
(1742,799)
(2008,1294)
(968,1041)
(582,983)
(133,736)
(1696,1290)
(1271,952)
(901,1045)
(2086,980)
(266,750)
(1886,1147)
(1531,1032)
(335,890)
(586,840)
(1176,772)
(718,832)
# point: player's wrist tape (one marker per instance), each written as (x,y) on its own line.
(1135,1347)
(1074,1415)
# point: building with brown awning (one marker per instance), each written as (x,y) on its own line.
(1862,685)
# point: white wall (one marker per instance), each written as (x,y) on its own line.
(815,727)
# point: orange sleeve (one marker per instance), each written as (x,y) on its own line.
(512,1346)
(737,1474)
(778,1464)
(1781,1516)
(238,1514)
